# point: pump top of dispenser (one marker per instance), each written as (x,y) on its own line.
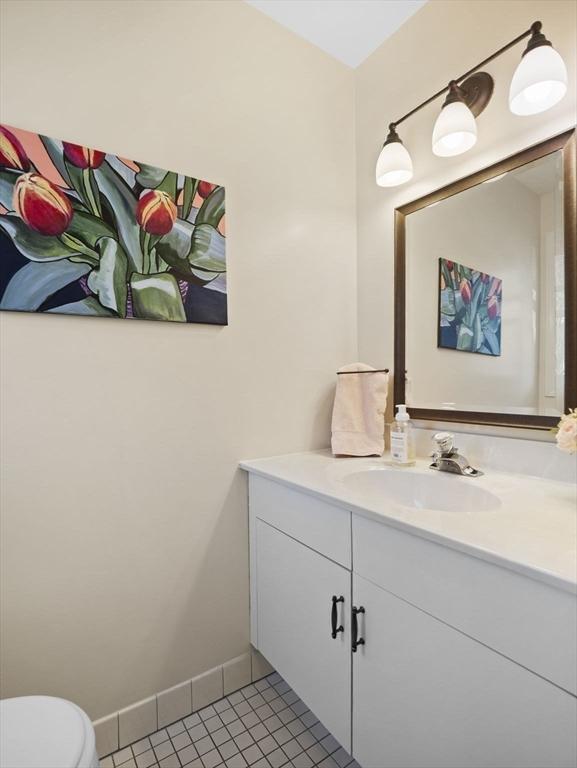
(402,414)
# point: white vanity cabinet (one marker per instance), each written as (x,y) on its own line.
(295,587)
(464,663)
(292,590)
(428,696)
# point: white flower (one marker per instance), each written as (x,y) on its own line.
(567,433)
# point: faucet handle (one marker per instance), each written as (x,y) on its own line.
(444,442)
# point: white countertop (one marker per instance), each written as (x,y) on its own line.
(533,531)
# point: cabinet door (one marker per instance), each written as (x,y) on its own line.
(425,694)
(295,586)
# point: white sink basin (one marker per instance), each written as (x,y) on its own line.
(415,490)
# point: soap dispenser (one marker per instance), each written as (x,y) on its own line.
(402,438)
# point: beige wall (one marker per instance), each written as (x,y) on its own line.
(125,533)
(442,40)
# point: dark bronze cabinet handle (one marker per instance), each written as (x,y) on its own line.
(355,639)
(334,628)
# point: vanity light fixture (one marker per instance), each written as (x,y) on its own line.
(455,129)
(539,82)
(394,165)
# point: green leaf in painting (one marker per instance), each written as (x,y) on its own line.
(87,306)
(77,183)
(478,336)
(217,280)
(476,296)
(150,176)
(123,170)
(32,245)
(157,297)
(494,324)
(88,228)
(8,178)
(448,303)
(36,281)
(56,154)
(189,191)
(212,210)
(208,249)
(168,184)
(91,192)
(465,338)
(459,303)
(492,341)
(175,246)
(122,204)
(108,280)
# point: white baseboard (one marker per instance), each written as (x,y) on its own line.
(142,718)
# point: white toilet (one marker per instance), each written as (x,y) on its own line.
(45,732)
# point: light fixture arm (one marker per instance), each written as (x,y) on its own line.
(537,38)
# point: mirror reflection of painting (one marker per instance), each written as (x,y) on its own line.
(469,309)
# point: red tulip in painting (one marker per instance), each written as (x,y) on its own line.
(41,204)
(205,188)
(156,212)
(12,154)
(86,232)
(465,289)
(82,157)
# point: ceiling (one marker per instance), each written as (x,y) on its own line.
(349,30)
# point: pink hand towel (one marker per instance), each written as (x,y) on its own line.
(358,427)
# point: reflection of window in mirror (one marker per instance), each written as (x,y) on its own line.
(485,296)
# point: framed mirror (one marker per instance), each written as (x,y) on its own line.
(486,293)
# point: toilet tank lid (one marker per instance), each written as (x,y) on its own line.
(36,731)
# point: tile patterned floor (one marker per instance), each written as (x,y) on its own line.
(264,725)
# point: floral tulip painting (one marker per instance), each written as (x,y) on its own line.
(84,232)
(469,309)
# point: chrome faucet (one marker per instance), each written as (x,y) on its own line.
(446,457)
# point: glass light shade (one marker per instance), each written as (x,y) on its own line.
(455,130)
(394,165)
(539,82)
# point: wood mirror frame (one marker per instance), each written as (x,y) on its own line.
(566,143)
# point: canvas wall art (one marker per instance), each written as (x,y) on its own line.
(469,309)
(85,232)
